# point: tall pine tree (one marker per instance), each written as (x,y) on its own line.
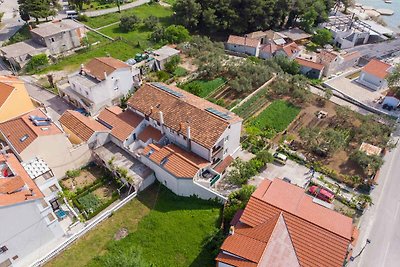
(37,8)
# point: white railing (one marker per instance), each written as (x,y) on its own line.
(83,231)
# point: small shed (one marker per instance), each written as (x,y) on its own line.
(370,150)
(162,56)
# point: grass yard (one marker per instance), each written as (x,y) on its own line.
(171,231)
(142,11)
(206,87)
(277,116)
(117,49)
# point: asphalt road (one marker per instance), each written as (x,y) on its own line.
(381,222)
(377,50)
(55,105)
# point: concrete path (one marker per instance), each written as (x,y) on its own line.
(11,22)
(97,13)
(55,105)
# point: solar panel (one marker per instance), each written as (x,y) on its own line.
(219,113)
(41,123)
(167,89)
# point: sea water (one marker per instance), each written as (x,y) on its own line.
(393,21)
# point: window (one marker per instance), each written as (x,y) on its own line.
(15,257)
(23,138)
(225,151)
(86,93)
(51,217)
(116,88)
(52,40)
(53,188)
(227,138)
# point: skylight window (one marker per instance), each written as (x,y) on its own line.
(23,138)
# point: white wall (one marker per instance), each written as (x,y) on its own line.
(98,139)
(253,51)
(58,153)
(24,229)
(372,81)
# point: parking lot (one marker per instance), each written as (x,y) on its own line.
(347,84)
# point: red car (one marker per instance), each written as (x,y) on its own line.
(322,193)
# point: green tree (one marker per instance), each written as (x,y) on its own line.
(129,23)
(37,61)
(36,8)
(322,37)
(372,162)
(158,34)
(287,65)
(151,22)
(237,200)
(176,34)
(308,19)
(172,63)
(79,3)
(394,79)
(194,88)
(187,13)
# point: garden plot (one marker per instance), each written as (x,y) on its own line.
(79,179)
(203,88)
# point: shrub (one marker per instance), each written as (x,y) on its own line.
(162,76)
(176,34)
(172,64)
(151,22)
(83,17)
(37,61)
(129,23)
(73,173)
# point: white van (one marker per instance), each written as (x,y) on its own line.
(71,14)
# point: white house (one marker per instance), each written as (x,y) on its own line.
(334,62)
(171,125)
(27,219)
(373,75)
(243,45)
(310,68)
(101,82)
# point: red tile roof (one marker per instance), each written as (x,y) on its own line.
(290,49)
(310,64)
(327,56)
(234,261)
(19,187)
(100,65)
(223,164)
(245,41)
(377,68)
(180,163)
(5,91)
(15,129)
(150,132)
(122,123)
(320,236)
(178,111)
(82,126)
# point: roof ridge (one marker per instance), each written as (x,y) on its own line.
(319,226)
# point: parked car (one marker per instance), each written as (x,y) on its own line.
(280,158)
(322,193)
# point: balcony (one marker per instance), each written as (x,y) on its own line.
(216,151)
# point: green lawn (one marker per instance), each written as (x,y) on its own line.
(142,11)
(207,87)
(117,49)
(173,232)
(277,116)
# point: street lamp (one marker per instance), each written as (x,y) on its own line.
(366,243)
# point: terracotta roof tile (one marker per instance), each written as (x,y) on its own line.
(234,261)
(327,56)
(320,236)
(178,162)
(223,164)
(377,68)
(82,126)
(100,65)
(290,49)
(245,41)
(5,92)
(206,128)
(122,123)
(310,64)
(21,131)
(150,132)
(18,187)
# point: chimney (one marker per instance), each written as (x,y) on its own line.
(105,75)
(161,121)
(189,141)
(232,230)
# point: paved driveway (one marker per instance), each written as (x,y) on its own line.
(55,105)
